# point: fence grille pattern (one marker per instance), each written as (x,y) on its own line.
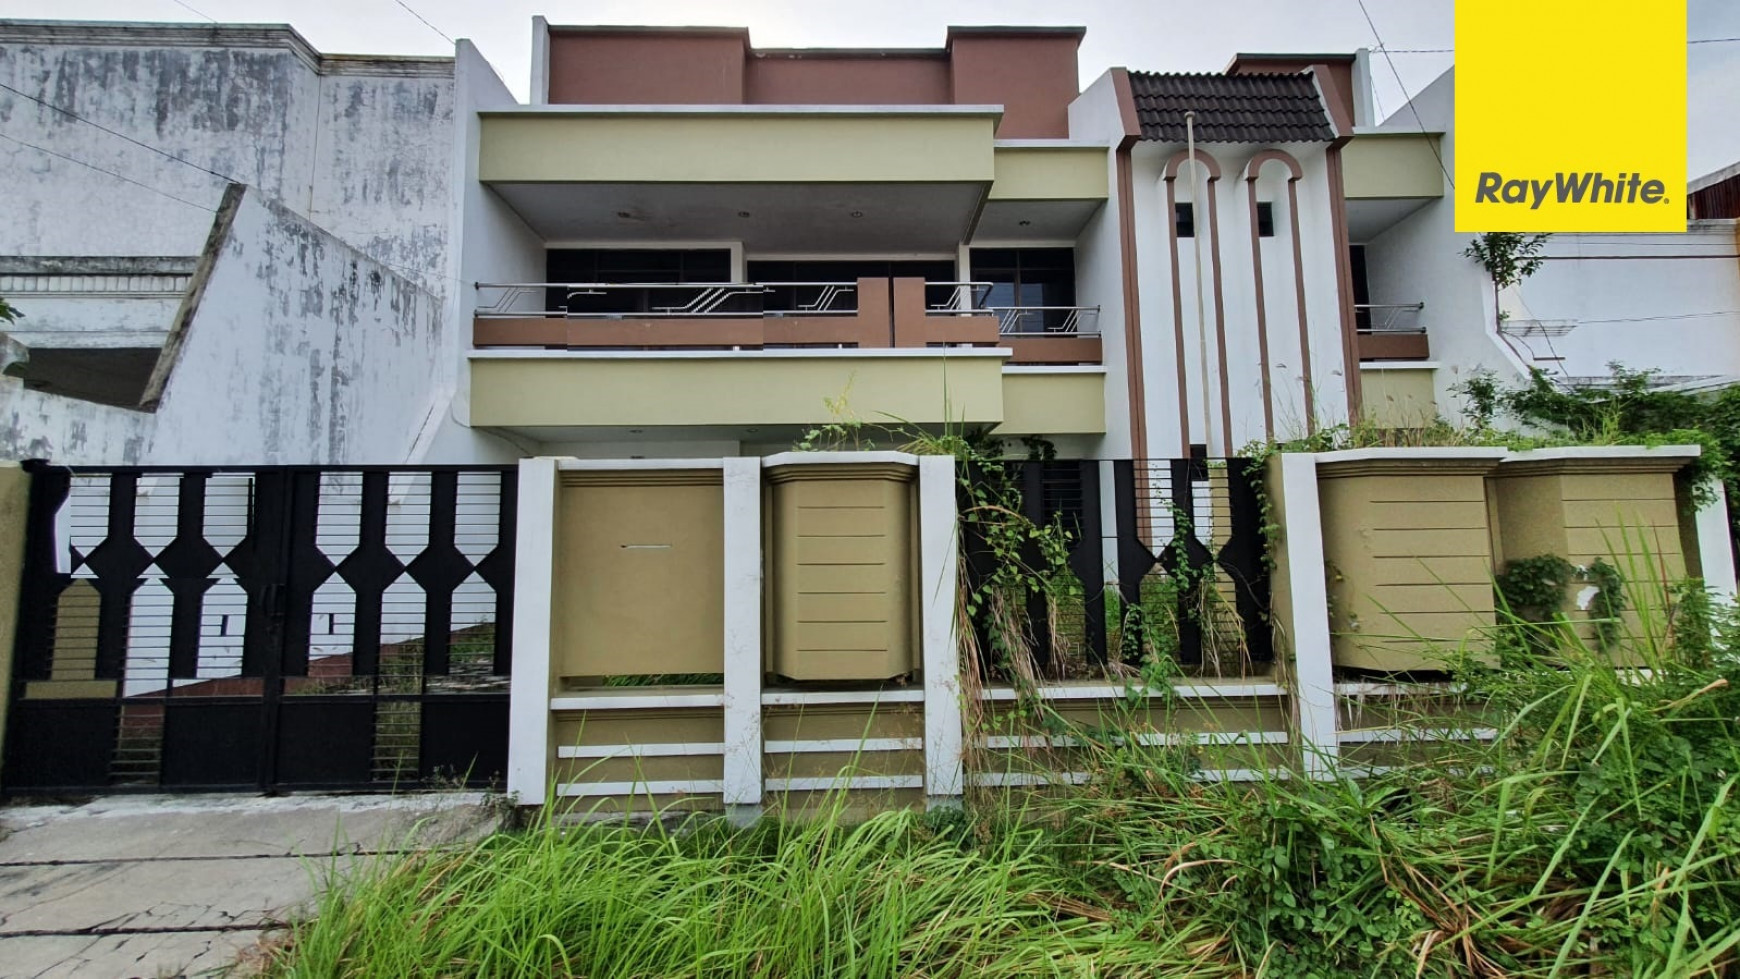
(270,627)
(1183,555)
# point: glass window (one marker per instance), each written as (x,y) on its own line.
(1039,283)
(1265,219)
(1184,219)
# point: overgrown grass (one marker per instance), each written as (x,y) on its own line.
(1594,836)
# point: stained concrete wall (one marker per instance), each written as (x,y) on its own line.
(302,350)
(359,145)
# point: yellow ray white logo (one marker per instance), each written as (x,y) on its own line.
(1570,115)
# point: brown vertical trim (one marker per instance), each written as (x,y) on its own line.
(1299,300)
(1171,218)
(1219,317)
(1343,278)
(1262,313)
(1126,103)
(1132,303)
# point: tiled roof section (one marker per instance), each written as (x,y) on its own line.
(1260,108)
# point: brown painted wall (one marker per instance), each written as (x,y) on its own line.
(1033,78)
(1031,74)
(918,79)
(654,68)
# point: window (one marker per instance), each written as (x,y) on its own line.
(790,299)
(1184,219)
(629,266)
(1265,219)
(1041,280)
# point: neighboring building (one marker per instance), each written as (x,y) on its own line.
(170,319)
(1668,302)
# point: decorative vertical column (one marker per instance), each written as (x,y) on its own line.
(529,726)
(939,558)
(1300,605)
(743,659)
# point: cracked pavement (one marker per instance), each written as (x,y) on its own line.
(182,885)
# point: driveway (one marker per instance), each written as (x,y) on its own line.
(181,885)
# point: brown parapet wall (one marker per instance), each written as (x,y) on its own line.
(1393,346)
(1056,349)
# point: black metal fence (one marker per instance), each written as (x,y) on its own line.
(263,628)
(1184,548)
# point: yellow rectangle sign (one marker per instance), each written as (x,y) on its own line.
(1570,115)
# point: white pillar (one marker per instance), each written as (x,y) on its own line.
(529,725)
(743,740)
(939,557)
(1715,553)
(1313,674)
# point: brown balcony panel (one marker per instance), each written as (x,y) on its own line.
(1054,349)
(659,332)
(1382,345)
(803,331)
(952,328)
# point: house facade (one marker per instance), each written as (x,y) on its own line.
(683,246)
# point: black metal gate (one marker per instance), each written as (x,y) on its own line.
(263,628)
(1185,546)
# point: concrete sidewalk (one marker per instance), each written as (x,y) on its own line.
(181,885)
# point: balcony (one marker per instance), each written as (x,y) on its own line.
(868,314)
(1391,331)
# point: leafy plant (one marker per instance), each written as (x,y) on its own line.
(8,314)
(1509,257)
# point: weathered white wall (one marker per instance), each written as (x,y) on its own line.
(1670,302)
(303,350)
(1095,117)
(359,145)
(494,245)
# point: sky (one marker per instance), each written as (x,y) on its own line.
(1151,35)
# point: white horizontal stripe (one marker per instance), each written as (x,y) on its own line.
(843,744)
(699,786)
(838,782)
(1395,689)
(786,698)
(642,701)
(569,464)
(1394,734)
(1148,740)
(639,750)
(1199,691)
(1010,779)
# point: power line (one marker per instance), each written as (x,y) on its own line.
(188,6)
(1421,123)
(147,146)
(117,176)
(1713,40)
(425,20)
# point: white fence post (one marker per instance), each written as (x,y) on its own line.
(938,565)
(743,738)
(529,724)
(1312,677)
(1715,552)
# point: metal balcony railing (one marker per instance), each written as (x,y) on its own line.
(956,297)
(1389,318)
(1040,321)
(674,300)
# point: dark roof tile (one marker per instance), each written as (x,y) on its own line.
(1262,108)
